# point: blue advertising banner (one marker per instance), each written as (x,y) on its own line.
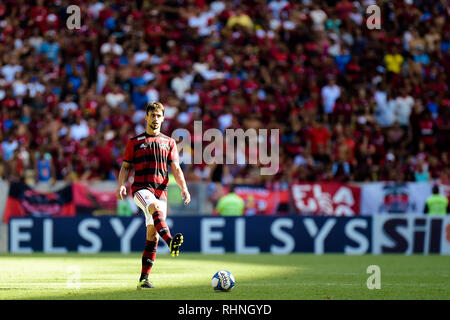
(380,234)
(208,235)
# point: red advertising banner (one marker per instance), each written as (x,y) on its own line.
(24,201)
(88,200)
(326,199)
(262,201)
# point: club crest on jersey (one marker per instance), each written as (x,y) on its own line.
(164,146)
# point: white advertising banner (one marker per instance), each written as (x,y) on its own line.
(411,234)
(445,239)
(388,197)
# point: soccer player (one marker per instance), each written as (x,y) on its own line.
(151,153)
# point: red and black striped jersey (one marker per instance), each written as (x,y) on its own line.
(151,157)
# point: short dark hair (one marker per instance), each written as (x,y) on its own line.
(435,189)
(155,105)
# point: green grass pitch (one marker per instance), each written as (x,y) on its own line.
(188,277)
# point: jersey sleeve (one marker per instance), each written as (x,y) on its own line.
(173,155)
(129,152)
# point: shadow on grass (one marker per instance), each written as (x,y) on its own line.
(258,277)
(197,269)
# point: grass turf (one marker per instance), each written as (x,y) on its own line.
(187,277)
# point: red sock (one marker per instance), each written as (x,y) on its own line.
(148,258)
(161,226)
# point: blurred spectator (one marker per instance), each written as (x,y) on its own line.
(112,48)
(437,204)
(10,68)
(330,93)
(404,104)
(9,145)
(67,106)
(394,61)
(45,170)
(230,204)
(318,17)
(421,174)
(239,18)
(385,108)
(50,47)
(318,141)
(79,130)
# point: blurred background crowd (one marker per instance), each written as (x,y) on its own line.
(351,103)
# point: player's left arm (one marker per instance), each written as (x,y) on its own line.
(174,160)
(179,178)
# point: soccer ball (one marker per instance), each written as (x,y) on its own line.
(223,281)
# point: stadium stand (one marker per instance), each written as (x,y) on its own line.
(351,103)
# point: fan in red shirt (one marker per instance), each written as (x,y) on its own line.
(151,153)
(319,141)
(427,126)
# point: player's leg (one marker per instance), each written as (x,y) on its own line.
(151,241)
(159,221)
(155,214)
(149,254)
(158,209)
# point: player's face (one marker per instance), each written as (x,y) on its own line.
(154,119)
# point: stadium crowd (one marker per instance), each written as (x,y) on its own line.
(351,103)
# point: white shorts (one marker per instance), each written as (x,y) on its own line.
(143,198)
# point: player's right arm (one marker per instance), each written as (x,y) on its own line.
(125,170)
(122,179)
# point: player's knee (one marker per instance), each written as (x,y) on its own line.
(153,208)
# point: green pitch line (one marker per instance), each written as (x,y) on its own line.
(264,276)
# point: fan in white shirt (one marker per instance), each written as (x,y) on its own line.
(111,47)
(318,16)
(385,108)
(142,55)
(67,105)
(34,86)
(79,130)
(191,97)
(19,87)
(10,69)
(152,94)
(330,93)
(276,6)
(115,97)
(200,21)
(180,84)
(403,109)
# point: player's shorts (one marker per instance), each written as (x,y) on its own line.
(143,198)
